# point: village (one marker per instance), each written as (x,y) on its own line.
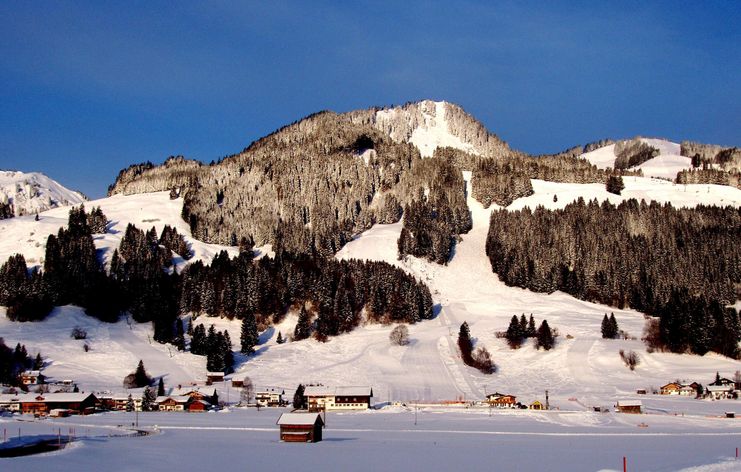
(43,397)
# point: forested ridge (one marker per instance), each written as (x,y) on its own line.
(140,281)
(644,255)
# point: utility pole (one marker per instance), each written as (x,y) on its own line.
(547,404)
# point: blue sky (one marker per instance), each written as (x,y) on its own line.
(87,88)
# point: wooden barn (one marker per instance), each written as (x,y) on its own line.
(300,427)
(631,406)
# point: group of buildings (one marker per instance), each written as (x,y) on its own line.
(720,389)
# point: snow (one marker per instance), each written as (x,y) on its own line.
(390,439)
(34,192)
(666,165)
(435,133)
(583,370)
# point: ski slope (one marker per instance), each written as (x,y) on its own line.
(666,165)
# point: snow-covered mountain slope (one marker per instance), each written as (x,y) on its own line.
(666,165)
(582,366)
(33,192)
(27,236)
(431,124)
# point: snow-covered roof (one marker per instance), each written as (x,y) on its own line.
(44,397)
(205,391)
(303,419)
(176,398)
(622,403)
(354,391)
(720,388)
(32,373)
(318,391)
(351,391)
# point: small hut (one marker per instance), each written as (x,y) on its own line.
(300,427)
(630,406)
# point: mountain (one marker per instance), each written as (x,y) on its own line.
(346,187)
(33,192)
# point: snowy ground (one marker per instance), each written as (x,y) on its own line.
(392,439)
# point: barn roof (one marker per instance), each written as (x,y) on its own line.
(629,403)
(300,419)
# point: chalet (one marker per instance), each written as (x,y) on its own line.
(720,392)
(300,427)
(722,388)
(32,377)
(207,394)
(676,388)
(269,398)
(214,377)
(629,406)
(536,405)
(120,402)
(338,398)
(173,403)
(499,400)
(43,403)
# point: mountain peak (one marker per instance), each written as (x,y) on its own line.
(32,192)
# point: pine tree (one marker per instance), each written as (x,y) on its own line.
(465,344)
(303,329)
(130,403)
(614,329)
(149,399)
(299,401)
(249,336)
(523,325)
(141,378)
(161,388)
(614,184)
(531,330)
(514,333)
(545,336)
(38,364)
(279,339)
(606,328)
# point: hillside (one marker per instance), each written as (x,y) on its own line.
(28,193)
(429,368)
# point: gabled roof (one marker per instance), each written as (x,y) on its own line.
(318,391)
(301,419)
(352,391)
(175,398)
(622,403)
(205,391)
(33,373)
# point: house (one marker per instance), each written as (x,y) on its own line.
(300,427)
(722,388)
(42,404)
(676,388)
(536,405)
(338,398)
(207,394)
(500,400)
(195,406)
(237,383)
(214,377)
(629,406)
(173,402)
(32,377)
(671,388)
(720,392)
(120,402)
(270,397)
